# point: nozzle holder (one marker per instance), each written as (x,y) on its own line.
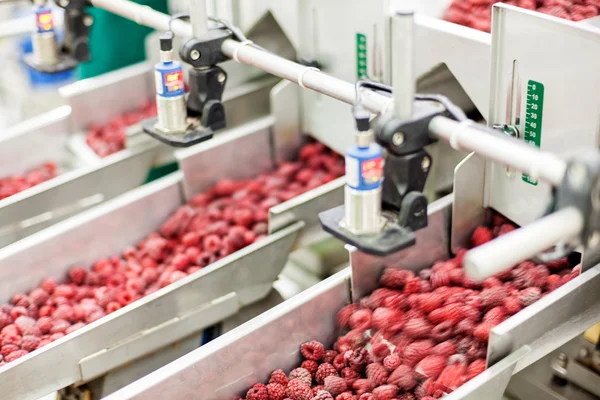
(188,138)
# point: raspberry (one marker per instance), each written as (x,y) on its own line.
(391,362)
(339,362)
(278,376)
(431,366)
(445,349)
(395,302)
(417,328)
(452,313)
(529,296)
(367,396)
(385,392)
(48,285)
(491,282)
(430,302)
(559,264)
(64,312)
(77,275)
(553,282)
(301,374)
(464,327)
(18,311)
(493,297)
(312,350)
(5,319)
(324,371)
(298,390)
(323,395)
(15,355)
(512,305)
(11,338)
(413,285)
(452,377)
(75,327)
(309,365)
(31,331)
(440,278)
(475,368)
(257,392)
(24,321)
(361,319)
(66,291)
(480,236)
(377,374)
(45,324)
(361,386)
(316,389)
(403,377)
(385,319)
(335,385)
(20,299)
(59,326)
(39,296)
(442,331)
(482,331)
(30,343)
(329,356)
(416,351)
(275,391)
(346,396)
(395,278)
(349,375)
(407,396)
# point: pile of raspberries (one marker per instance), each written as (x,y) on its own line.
(227,217)
(477,14)
(17,183)
(418,336)
(109,138)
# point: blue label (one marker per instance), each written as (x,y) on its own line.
(169,80)
(364,167)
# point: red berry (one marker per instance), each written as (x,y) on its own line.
(350,376)
(15,355)
(24,321)
(324,371)
(59,326)
(529,296)
(512,305)
(446,348)
(361,386)
(66,291)
(377,374)
(442,331)
(417,328)
(413,285)
(309,365)
(39,296)
(430,302)
(416,351)
(329,356)
(301,374)
(496,315)
(312,350)
(30,343)
(257,392)
(77,275)
(361,319)
(385,319)
(403,377)
(45,324)
(6,349)
(493,297)
(475,368)
(322,395)
(452,377)
(48,285)
(385,392)
(298,390)
(482,331)
(278,376)
(335,385)
(395,278)
(276,391)
(431,366)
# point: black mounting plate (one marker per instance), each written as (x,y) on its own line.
(392,238)
(64,63)
(191,137)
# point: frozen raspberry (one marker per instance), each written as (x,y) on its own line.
(55,336)
(413,285)
(75,327)
(77,275)
(301,374)
(361,386)
(475,368)
(367,396)
(31,330)
(339,362)
(11,338)
(343,316)
(21,299)
(48,285)
(257,392)
(491,282)
(6,349)
(391,362)
(385,319)
(395,278)
(452,313)
(335,385)
(329,356)
(403,377)
(361,319)
(482,331)
(493,297)
(30,343)
(59,326)
(445,349)
(278,376)
(385,392)
(417,328)
(64,312)
(275,391)
(396,302)
(39,296)
(529,296)
(66,291)
(15,355)
(45,324)
(431,366)
(512,305)
(416,351)
(5,319)
(24,321)
(440,278)
(346,396)
(17,311)
(377,374)
(464,327)
(324,371)
(442,331)
(312,350)
(480,236)
(309,365)
(298,390)
(452,377)
(430,302)
(316,389)
(496,315)
(553,282)
(323,395)
(349,375)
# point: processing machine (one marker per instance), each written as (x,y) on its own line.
(386,217)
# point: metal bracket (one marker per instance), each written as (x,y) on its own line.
(205,52)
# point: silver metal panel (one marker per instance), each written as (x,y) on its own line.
(550,322)
(491,383)
(72,192)
(241,154)
(285,107)
(570,118)
(432,245)
(32,142)
(467,208)
(228,365)
(118,91)
(133,215)
(306,207)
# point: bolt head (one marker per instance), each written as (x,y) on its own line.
(425,163)
(398,138)
(88,21)
(578,174)
(194,54)
(221,77)
(64,3)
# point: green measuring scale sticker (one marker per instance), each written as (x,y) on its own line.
(361,56)
(533,120)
